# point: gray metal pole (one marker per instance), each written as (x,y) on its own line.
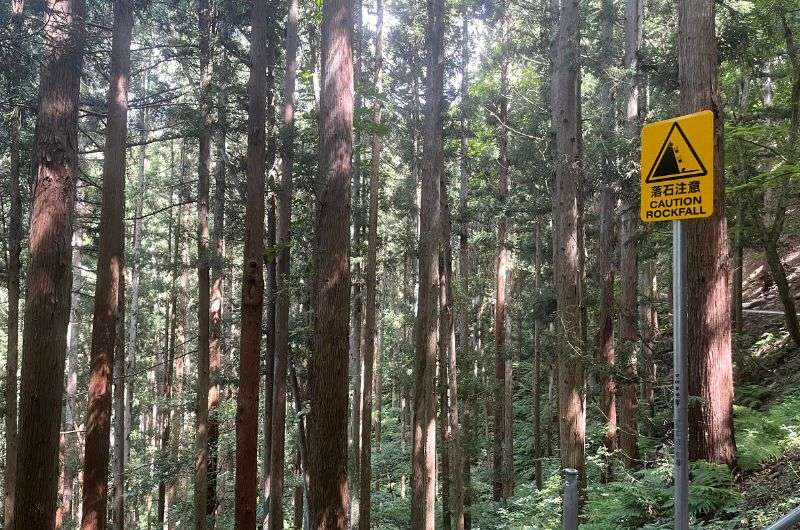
(681,394)
(571,499)
(787,521)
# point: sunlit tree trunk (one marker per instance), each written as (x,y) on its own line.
(607,244)
(283,211)
(424,421)
(711,434)
(567,250)
(110,279)
(49,275)
(252,278)
(328,497)
(502,483)
(368,350)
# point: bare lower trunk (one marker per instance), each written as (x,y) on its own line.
(49,275)
(14,239)
(109,278)
(368,350)
(424,423)
(629,338)
(567,250)
(118,520)
(711,435)
(252,280)
(328,496)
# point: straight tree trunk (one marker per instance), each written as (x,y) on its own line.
(368,350)
(738,272)
(269,262)
(49,275)
(357,318)
(205,15)
(282,270)
(252,278)
(131,334)
(650,323)
(118,509)
(711,435)
(502,483)
(537,363)
(567,250)
(454,486)
(217,296)
(463,250)
(110,279)
(607,244)
(14,239)
(424,421)
(328,498)
(629,309)
(69,444)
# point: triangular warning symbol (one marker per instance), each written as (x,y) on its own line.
(676,159)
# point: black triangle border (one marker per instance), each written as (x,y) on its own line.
(697,173)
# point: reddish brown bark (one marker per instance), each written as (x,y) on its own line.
(269,260)
(217,296)
(423,460)
(328,497)
(252,279)
(502,482)
(368,349)
(711,434)
(282,270)
(607,243)
(49,275)
(567,274)
(109,277)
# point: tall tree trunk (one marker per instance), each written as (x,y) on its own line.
(328,497)
(502,483)
(49,276)
(738,270)
(629,310)
(269,262)
(607,244)
(650,323)
(711,434)
(205,15)
(449,368)
(131,334)
(424,445)
(109,277)
(252,278)
(118,508)
(70,440)
(567,274)
(444,426)
(357,319)
(217,296)
(14,239)
(368,349)
(537,362)
(778,272)
(463,252)
(282,270)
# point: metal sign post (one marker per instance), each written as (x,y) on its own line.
(680,375)
(677,183)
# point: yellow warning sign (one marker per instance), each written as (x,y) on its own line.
(677,179)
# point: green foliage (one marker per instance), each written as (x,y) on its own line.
(645,498)
(765,435)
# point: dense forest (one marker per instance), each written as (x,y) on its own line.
(381,264)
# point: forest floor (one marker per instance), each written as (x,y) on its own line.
(768,398)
